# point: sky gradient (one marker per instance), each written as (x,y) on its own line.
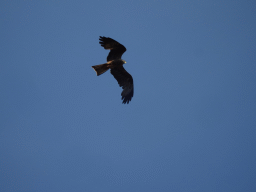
(190,126)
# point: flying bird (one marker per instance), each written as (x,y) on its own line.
(115,64)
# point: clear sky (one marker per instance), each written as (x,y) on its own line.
(190,127)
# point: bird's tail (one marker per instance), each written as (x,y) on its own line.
(100,69)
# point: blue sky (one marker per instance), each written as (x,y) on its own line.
(189,127)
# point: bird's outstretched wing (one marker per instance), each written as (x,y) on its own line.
(125,81)
(116,49)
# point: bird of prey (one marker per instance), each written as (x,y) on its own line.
(115,64)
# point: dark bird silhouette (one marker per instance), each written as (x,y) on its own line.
(115,64)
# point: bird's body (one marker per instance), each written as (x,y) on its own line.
(115,64)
